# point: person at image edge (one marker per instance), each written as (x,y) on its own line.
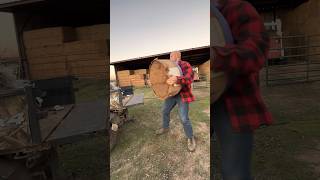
(240,110)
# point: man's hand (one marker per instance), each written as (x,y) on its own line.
(172,80)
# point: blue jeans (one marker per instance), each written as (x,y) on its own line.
(168,105)
(236,148)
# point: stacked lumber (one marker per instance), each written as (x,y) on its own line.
(45,51)
(137,80)
(123,78)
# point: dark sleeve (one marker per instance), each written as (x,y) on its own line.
(187,78)
(250,50)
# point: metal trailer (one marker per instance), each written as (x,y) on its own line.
(45,133)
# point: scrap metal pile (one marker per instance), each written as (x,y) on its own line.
(13,113)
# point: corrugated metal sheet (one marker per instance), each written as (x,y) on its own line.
(157,55)
(4,4)
(8,1)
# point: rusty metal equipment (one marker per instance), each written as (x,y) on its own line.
(119,104)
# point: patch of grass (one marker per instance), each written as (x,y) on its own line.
(140,154)
(87,159)
(90,89)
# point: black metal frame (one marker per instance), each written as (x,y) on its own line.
(32,117)
(298,71)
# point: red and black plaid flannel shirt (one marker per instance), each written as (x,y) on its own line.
(186,81)
(242,61)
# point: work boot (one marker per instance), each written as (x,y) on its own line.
(191,144)
(162,131)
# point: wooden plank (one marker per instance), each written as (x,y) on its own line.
(52,121)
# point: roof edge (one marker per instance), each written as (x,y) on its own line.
(149,56)
(5,7)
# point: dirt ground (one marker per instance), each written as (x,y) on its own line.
(290,148)
(140,154)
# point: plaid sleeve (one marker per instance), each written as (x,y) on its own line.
(249,52)
(187,78)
